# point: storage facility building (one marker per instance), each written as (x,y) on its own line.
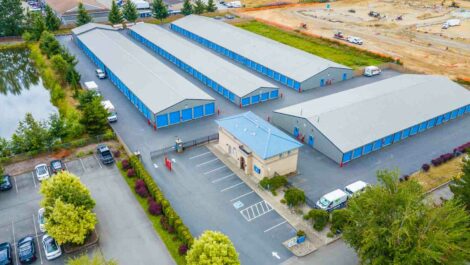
(232,82)
(350,124)
(292,67)
(157,91)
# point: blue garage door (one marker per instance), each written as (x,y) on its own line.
(377,145)
(274,94)
(174,117)
(345,76)
(367,149)
(265,96)
(405,133)
(388,140)
(296,131)
(311,141)
(245,101)
(254,99)
(162,120)
(209,109)
(357,153)
(198,111)
(397,137)
(187,114)
(347,157)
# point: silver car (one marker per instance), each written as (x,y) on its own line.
(42,220)
(42,172)
(51,248)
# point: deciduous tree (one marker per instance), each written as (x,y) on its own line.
(115,15)
(159,10)
(11,18)
(52,21)
(294,197)
(83,17)
(96,259)
(130,11)
(49,45)
(461,186)
(31,135)
(212,248)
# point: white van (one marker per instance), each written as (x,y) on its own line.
(334,200)
(372,70)
(91,85)
(112,114)
(355,188)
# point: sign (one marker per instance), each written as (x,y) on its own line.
(292,242)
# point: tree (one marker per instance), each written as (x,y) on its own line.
(31,135)
(38,25)
(96,259)
(159,10)
(95,116)
(57,127)
(212,248)
(187,8)
(115,15)
(130,11)
(391,223)
(68,223)
(461,186)
(199,7)
(11,18)
(211,7)
(5,148)
(68,188)
(59,65)
(294,197)
(83,17)
(52,21)
(49,45)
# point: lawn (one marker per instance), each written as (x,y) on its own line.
(439,175)
(327,49)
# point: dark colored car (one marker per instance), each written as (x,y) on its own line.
(5,183)
(5,254)
(26,250)
(57,166)
(105,154)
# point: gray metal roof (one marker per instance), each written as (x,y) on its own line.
(353,118)
(154,83)
(90,26)
(225,73)
(279,57)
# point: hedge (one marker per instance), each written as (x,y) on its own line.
(182,231)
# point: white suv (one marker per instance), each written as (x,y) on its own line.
(100,74)
(355,40)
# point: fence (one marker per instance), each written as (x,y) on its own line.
(186,145)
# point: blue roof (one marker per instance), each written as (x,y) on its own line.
(260,136)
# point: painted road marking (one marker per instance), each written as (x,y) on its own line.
(155,165)
(276,255)
(272,227)
(251,209)
(196,156)
(238,205)
(14,241)
(98,161)
(37,238)
(233,186)
(83,165)
(213,170)
(222,178)
(243,195)
(34,181)
(16,186)
(207,162)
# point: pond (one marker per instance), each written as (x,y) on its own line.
(21,91)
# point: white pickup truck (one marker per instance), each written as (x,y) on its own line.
(112,114)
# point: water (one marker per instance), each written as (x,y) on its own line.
(21,91)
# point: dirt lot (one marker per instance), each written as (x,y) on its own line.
(417,39)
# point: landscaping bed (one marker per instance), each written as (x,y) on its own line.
(91,240)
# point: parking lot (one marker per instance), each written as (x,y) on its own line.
(208,195)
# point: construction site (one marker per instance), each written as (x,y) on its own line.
(428,36)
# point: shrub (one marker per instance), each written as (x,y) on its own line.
(294,196)
(125,164)
(139,183)
(339,218)
(154,208)
(320,218)
(283,201)
(141,189)
(117,153)
(300,233)
(273,183)
(183,249)
(131,173)
(425,167)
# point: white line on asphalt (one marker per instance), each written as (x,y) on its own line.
(272,227)
(251,209)
(37,238)
(233,186)
(243,195)
(34,181)
(16,186)
(207,162)
(66,167)
(14,241)
(222,178)
(98,161)
(213,170)
(196,156)
(83,166)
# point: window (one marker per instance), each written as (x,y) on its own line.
(257,169)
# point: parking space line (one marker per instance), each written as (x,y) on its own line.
(213,170)
(241,196)
(207,162)
(34,181)
(98,161)
(14,242)
(233,186)
(272,227)
(196,156)
(251,209)
(222,178)
(65,165)
(83,166)
(37,238)
(16,186)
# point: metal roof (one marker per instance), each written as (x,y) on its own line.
(359,116)
(155,84)
(90,26)
(260,136)
(232,77)
(284,59)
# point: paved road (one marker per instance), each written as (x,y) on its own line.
(337,253)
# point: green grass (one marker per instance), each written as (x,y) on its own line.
(167,238)
(327,49)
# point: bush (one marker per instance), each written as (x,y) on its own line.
(273,183)
(339,218)
(183,249)
(300,233)
(154,208)
(141,189)
(125,164)
(320,218)
(131,173)
(425,167)
(294,196)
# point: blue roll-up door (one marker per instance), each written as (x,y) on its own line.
(414,130)
(274,94)
(405,133)
(311,141)
(431,123)
(388,140)
(209,109)
(467,110)
(322,82)
(446,117)
(245,101)
(296,131)
(174,117)
(347,157)
(187,114)
(255,99)
(367,149)
(198,111)
(377,145)
(226,92)
(397,137)
(265,96)
(357,152)
(162,120)
(453,115)
(345,76)
(422,126)
(461,111)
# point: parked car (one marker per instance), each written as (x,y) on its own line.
(5,183)
(331,201)
(57,166)
(100,74)
(5,254)
(355,188)
(105,154)
(355,40)
(42,220)
(112,114)
(26,250)
(229,16)
(218,17)
(51,248)
(372,70)
(42,172)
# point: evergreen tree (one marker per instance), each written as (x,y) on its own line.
(38,26)
(83,17)
(115,15)
(461,186)
(95,116)
(159,10)
(187,8)
(130,11)
(211,7)
(52,21)
(11,18)
(199,7)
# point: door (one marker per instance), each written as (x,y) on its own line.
(345,76)
(242,163)
(296,131)
(322,82)
(310,141)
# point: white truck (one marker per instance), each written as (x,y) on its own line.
(141,4)
(91,85)
(371,71)
(331,201)
(112,114)
(451,23)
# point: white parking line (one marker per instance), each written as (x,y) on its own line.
(65,165)
(213,170)
(83,165)
(14,241)
(207,162)
(243,195)
(233,186)
(98,161)
(272,227)
(196,156)
(16,186)
(34,181)
(222,178)
(249,212)
(37,238)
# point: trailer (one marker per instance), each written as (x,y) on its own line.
(112,114)
(141,4)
